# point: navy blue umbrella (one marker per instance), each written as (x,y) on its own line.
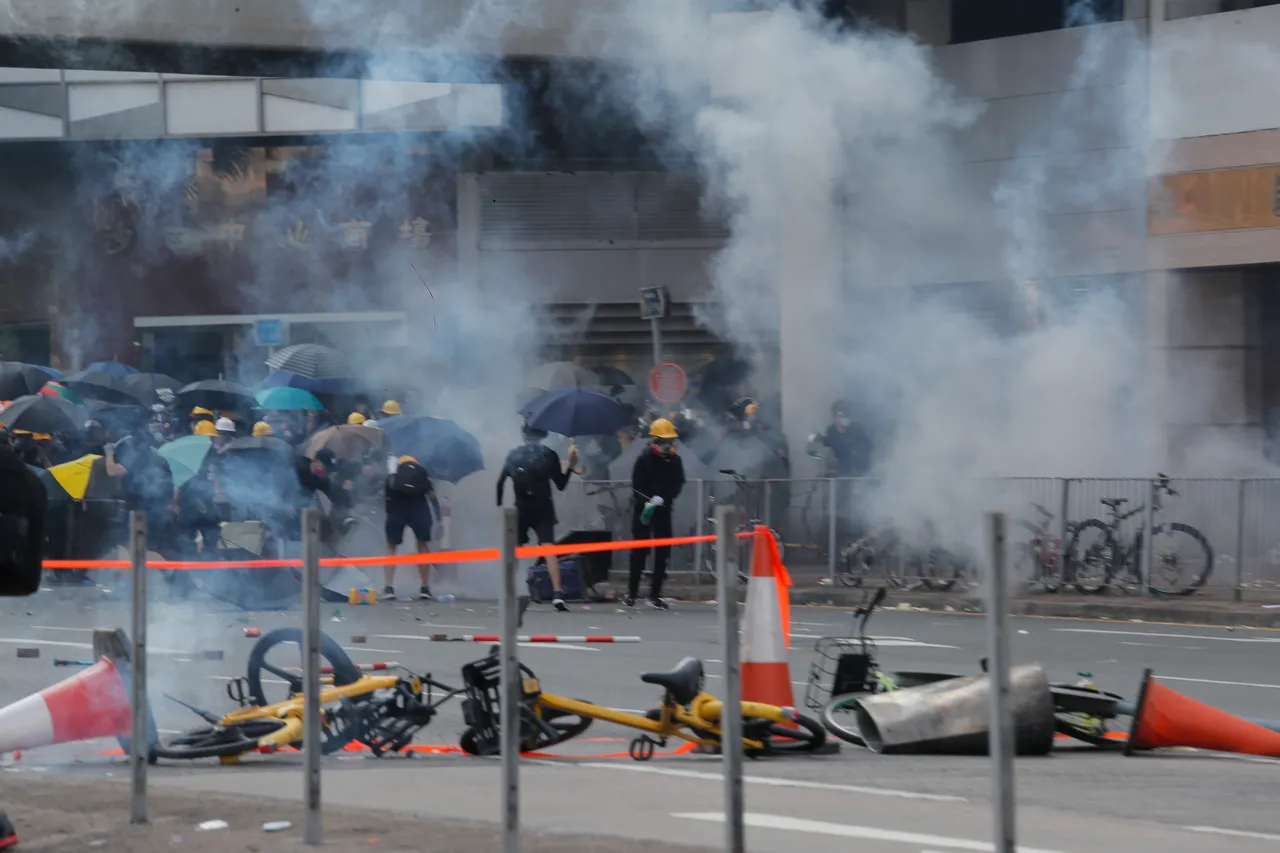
(446,450)
(575,411)
(111,368)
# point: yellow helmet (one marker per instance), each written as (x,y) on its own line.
(356,418)
(391,407)
(662,428)
(406,459)
(261,429)
(199,412)
(205,428)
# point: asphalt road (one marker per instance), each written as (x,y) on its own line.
(1076,800)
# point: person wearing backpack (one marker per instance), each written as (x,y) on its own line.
(411,502)
(532,468)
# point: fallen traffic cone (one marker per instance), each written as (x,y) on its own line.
(8,835)
(1166,718)
(90,704)
(766,625)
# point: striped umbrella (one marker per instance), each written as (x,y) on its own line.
(312,360)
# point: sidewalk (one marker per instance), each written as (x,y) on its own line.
(1212,608)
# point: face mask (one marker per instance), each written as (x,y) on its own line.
(842,422)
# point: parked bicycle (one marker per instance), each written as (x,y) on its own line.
(1040,558)
(1098,556)
(877,549)
(903,564)
(749,524)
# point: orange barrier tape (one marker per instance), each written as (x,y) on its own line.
(1107,735)
(479,555)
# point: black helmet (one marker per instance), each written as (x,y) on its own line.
(532,433)
(840,407)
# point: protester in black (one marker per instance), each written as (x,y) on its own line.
(656,482)
(532,468)
(411,502)
(22,515)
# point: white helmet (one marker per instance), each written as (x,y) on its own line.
(225,425)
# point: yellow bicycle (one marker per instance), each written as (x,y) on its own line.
(382,712)
(686,713)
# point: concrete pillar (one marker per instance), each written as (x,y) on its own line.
(468,233)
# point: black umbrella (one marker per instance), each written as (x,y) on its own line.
(20,380)
(311,360)
(92,385)
(153,388)
(40,413)
(216,394)
(612,377)
(446,450)
(575,411)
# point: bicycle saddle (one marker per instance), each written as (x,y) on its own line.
(1114,502)
(683,682)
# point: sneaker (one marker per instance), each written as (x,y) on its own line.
(658,604)
(424,593)
(559,604)
(388,593)
(629,601)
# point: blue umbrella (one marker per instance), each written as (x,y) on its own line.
(289,379)
(285,399)
(446,450)
(575,411)
(185,456)
(111,368)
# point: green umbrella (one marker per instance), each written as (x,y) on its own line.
(185,456)
(286,399)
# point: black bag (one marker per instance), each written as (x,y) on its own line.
(410,480)
(528,469)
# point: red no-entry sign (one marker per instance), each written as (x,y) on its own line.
(667,383)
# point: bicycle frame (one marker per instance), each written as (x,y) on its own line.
(703,714)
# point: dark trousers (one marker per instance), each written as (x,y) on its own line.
(659,527)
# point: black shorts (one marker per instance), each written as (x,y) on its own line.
(416,517)
(540,520)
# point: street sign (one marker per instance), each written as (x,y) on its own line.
(667,383)
(271,332)
(653,303)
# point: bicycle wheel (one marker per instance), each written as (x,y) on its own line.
(941,570)
(537,733)
(344,670)
(856,564)
(1173,560)
(839,718)
(217,741)
(1090,556)
(780,738)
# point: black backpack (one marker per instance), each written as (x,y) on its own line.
(528,469)
(410,480)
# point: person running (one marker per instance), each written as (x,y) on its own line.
(532,468)
(411,502)
(656,481)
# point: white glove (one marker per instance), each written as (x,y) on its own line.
(657,500)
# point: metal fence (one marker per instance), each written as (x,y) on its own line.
(818,519)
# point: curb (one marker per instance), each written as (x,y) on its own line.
(1176,611)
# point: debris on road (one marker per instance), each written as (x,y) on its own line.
(212,825)
(27,652)
(212,654)
(276,826)
(358,639)
(253,632)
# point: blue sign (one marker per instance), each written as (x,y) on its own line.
(271,333)
(653,303)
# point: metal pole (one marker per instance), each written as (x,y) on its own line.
(700,525)
(1148,539)
(656,330)
(1001,722)
(831,530)
(313,831)
(140,734)
(766,512)
(1238,592)
(730,716)
(1064,508)
(511,689)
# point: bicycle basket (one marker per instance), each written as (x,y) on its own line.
(482,707)
(840,665)
(394,720)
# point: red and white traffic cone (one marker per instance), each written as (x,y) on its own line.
(90,704)
(766,626)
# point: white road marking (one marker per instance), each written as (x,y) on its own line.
(1162,646)
(1169,636)
(566,646)
(869,833)
(61,643)
(1234,833)
(1214,681)
(780,782)
(233,678)
(375,651)
(60,628)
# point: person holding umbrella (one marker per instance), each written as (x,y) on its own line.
(656,481)
(532,468)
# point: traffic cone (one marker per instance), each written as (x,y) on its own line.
(1166,718)
(90,704)
(766,626)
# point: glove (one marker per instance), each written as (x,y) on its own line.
(656,500)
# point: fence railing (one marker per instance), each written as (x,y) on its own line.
(826,525)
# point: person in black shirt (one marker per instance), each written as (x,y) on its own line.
(532,468)
(23,504)
(656,482)
(851,448)
(411,502)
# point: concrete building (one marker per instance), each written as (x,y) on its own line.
(1185,151)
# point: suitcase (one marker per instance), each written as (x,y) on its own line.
(539,580)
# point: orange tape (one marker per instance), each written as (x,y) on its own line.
(1106,735)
